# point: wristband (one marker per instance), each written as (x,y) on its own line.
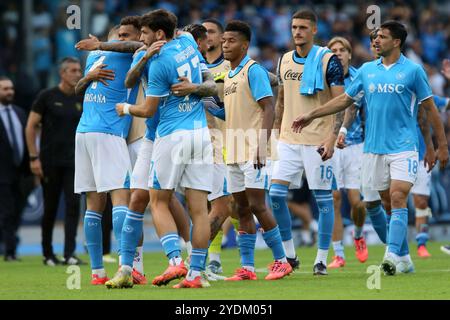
(33,158)
(343,130)
(126,108)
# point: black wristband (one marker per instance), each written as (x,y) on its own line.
(34,158)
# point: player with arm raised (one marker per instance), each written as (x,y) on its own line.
(393,86)
(182,153)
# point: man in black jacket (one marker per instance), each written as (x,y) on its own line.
(15,182)
(57,112)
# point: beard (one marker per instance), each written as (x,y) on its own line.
(7,100)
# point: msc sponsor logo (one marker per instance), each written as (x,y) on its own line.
(386,88)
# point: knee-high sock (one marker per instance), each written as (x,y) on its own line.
(278,195)
(247,249)
(94,242)
(273,241)
(324,199)
(378,217)
(198,259)
(171,245)
(397,230)
(118,217)
(131,234)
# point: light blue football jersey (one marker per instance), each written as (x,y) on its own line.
(355,134)
(99,106)
(391,95)
(152,122)
(178,58)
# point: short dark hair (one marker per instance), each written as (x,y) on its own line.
(373,34)
(397,29)
(161,20)
(306,14)
(240,27)
(134,21)
(66,60)
(5,78)
(197,30)
(216,22)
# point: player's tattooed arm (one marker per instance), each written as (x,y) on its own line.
(273,79)
(121,46)
(134,74)
(207,88)
(438,129)
(92,43)
(98,74)
(349,117)
(279,109)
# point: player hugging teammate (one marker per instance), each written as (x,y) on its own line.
(207,159)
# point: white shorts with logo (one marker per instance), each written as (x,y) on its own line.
(141,170)
(379,169)
(423,182)
(220,182)
(294,159)
(102,163)
(183,158)
(347,166)
(133,150)
(244,176)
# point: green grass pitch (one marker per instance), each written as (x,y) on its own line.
(30,279)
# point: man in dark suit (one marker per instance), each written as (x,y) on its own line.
(14,170)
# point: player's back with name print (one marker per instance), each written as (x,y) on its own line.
(115,90)
(179,58)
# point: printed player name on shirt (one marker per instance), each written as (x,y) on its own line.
(92,97)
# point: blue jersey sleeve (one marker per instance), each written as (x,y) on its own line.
(355,89)
(259,82)
(441,102)
(422,88)
(158,79)
(335,72)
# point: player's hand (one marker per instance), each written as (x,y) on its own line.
(327,148)
(90,44)
(446,68)
(183,88)
(259,158)
(36,168)
(143,48)
(301,122)
(154,48)
(120,108)
(442,156)
(340,143)
(101,75)
(429,159)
